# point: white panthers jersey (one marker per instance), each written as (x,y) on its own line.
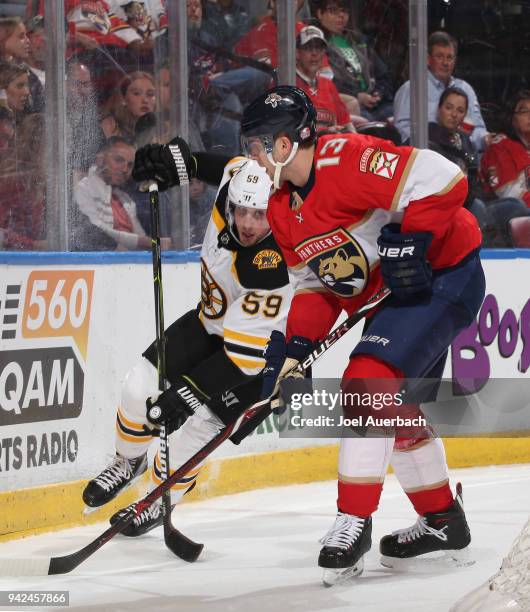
(245,291)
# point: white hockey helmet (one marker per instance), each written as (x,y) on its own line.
(250,187)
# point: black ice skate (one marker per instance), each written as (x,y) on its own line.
(344,546)
(148,519)
(435,537)
(114,479)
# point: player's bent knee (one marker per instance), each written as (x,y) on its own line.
(140,383)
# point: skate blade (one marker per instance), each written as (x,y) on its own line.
(89,509)
(430,561)
(332,577)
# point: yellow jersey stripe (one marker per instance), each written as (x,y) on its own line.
(128,438)
(234,335)
(128,423)
(247,363)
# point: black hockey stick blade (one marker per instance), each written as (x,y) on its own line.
(182,546)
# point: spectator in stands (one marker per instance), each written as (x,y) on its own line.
(226,21)
(446,133)
(15,47)
(14,81)
(135,96)
(441,61)
(147,19)
(163,96)
(332,114)
(7,129)
(505,165)
(106,217)
(261,42)
(358,72)
(447,137)
(23,188)
(84,136)
(37,47)
(95,20)
(218,92)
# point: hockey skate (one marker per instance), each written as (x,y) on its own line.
(438,537)
(114,479)
(344,546)
(148,519)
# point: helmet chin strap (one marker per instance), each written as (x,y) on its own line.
(279,165)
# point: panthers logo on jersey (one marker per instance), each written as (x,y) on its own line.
(213,299)
(338,260)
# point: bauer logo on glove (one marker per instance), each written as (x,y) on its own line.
(404,267)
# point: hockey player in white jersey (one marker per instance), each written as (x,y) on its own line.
(245,294)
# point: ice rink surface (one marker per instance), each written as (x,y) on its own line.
(261,549)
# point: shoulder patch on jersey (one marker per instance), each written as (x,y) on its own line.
(267,259)
(365,156)
(338,261)
(383,164)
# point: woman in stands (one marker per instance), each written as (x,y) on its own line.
(15,48)
(14,89)
(505,165)
(135,97)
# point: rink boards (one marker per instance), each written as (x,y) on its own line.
(72,325)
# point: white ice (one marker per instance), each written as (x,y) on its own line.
(261,549)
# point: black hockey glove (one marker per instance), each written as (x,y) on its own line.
(280,357)
(404,268)
(169,164)
(174,405)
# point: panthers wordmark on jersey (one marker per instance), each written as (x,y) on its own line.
(328,229)
(245,291)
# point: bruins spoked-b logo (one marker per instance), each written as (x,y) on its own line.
(213,299)
(338,260)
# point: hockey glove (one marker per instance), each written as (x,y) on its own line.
(404,268)
(280,358)
(169,164)
(174,405)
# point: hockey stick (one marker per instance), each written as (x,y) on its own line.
(66,563)
(177,542)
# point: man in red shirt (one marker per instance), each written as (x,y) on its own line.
(350,213)
(332,113)
(505,165)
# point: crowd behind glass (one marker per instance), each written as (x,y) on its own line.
(351,57)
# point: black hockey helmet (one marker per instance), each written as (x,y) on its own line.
(282,109)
